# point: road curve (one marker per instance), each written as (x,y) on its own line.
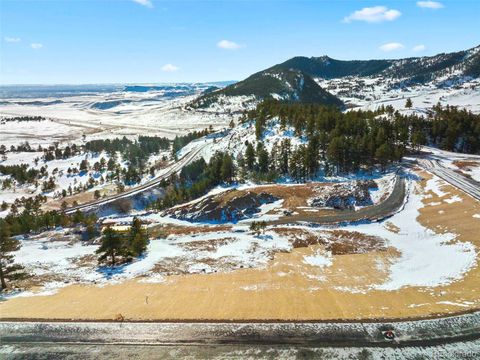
(174,168)
(469,186)
(371,213)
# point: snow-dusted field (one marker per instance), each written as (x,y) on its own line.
(422,252)
(101,115)
(371,93)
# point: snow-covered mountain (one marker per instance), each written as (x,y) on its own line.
(449,78)
(282,84)
(416,70)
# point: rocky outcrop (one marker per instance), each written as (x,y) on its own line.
(217,210)
(345,196)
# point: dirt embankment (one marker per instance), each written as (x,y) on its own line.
(230,207)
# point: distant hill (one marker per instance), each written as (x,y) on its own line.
(413,70)
(298,79)
(283,84)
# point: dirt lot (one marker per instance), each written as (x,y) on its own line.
(287,288)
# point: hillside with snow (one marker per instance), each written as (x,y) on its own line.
(451,78)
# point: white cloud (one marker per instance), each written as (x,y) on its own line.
(228,45)
(170,68)
(391,46)
(430,4)
(12,39)
(36,46)
(374,14)
(146,3)
(419,48)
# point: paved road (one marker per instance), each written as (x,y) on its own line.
(372,213)
(468,350)
(469,186)
(412,333)
(176,167)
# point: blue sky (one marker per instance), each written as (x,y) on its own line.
(152,41)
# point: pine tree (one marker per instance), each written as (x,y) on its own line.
(8,270)
(383,155)
(409,103)
(112,246)
(263,160)
(250,157)
(138,238)
(227,169)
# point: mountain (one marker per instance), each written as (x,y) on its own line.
(416,70)
(283,84)
(447,77)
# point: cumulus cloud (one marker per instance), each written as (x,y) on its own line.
(12,39)
(146,3)
(374,14)
(430,4)
(170,68)
(391,46)
(419,48)
(228,45)
(36,46)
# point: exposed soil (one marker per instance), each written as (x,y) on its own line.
(338,242)
(465,165)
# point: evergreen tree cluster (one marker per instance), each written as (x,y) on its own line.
(454,129)
(8,269)
(180,141)
(196,179)
(135,152)
(21,173)
(33,219)
(22,118)
(338,142)
(116,246)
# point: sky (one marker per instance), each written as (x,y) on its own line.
(157,41)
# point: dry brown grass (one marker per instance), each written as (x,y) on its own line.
(286,289)
(464,164)
(165,230)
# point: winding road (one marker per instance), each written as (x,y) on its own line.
(174,168)
(378,212)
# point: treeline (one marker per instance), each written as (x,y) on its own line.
(180,141)
(454,129)
(346,142)
(136,152)
(196,179)
(335,142)
(23,118)
(33,219)
(21,173)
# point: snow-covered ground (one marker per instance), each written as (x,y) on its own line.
(371,93)
(63,179)
(105,115)
(423,252)
(467,164)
